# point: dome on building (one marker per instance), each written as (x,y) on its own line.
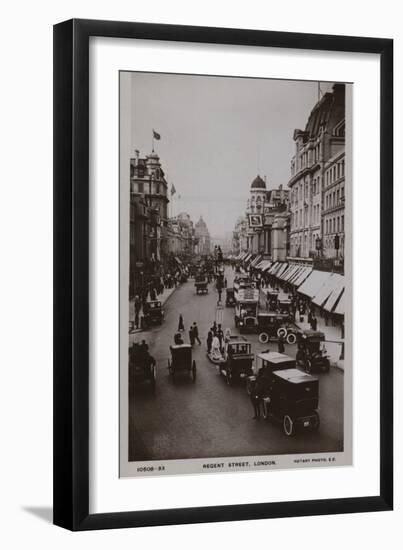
(258,183)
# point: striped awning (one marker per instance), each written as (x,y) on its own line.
(339,309)
(313,283)
(332,285)
(300,276)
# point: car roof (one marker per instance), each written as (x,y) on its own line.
(313,333)
(181,346)
(294,376)
(275,357)
(238,340)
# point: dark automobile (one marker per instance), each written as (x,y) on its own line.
(274,325)
(266,363)
(311,352)
(181,361)
(230,297)
(142,366)
(201,284)
(292,398)
(272,299)
(238,360)
(153,313)
(285,306)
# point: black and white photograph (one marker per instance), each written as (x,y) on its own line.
(235,291)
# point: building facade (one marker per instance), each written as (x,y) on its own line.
(262,209)
(203,246)
(315,146)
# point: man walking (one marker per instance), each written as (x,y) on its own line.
(209,340)
(196,333)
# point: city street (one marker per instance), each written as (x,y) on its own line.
(208,418)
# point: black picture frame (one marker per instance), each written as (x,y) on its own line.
(71,274)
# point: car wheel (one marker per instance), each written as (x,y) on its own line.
(308,366)
(315,422)
(288,425)
(291,338)
(263,337)
(282,332)
(229,378)
(266,409)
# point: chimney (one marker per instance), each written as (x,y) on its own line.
(137,153)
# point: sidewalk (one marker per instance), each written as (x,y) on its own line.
(163,298)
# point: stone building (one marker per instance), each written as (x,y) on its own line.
(202,235)
(263,206)
(147,181)
(315,146)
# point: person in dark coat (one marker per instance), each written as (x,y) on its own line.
(181,326)
(220,336)
(314,322)
(191,335)
(214,328)
(196,333)
(281,344)
(255,396)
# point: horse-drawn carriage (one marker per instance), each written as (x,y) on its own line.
(181,361)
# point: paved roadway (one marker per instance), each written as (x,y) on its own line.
(208,419)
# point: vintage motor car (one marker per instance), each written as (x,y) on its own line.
(242,281)
(153,313)
(312,353)
(285,306)
(246,309)
(273,325)
(265,364)
(229,297)
(181,361)
(142,366)
(238,360)
(292,399)
(201,284)
(272,299)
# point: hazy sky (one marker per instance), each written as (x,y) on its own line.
(217,134)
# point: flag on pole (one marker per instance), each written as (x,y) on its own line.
(156,135)
(173,190)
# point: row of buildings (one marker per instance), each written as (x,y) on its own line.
(158,241)
(306,221)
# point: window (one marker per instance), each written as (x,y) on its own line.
(140,187)
(342,224)
(337,197)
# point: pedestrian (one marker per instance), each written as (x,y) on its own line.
(196,333)
(214,328)
(314,322)
(191,335)
(220,336)
(225,283)
(281,344)
(181,326)
(210,337)
(136,319)
(255,396)
(143,347)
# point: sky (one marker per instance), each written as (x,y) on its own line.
(217,134)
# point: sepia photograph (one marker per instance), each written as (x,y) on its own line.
(235,274)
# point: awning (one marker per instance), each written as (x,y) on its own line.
(247,257)
(178,260)
(264,265)
(281,269)
(313,283)
(301,276)
(256,260)
(288,273)
(273,268)
(334,284)
(337,291)
(339,309)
